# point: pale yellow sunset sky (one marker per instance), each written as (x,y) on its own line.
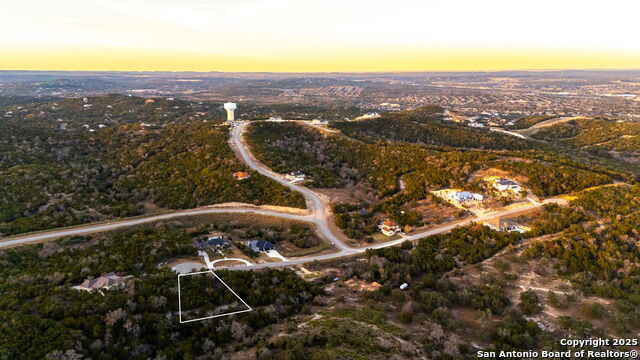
(318,35)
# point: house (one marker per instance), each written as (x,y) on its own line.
(500,224)
(216,242)
(107,281)
(260,245)
(371,115)
(389,227)
(462,196)
(319,122)
(475,125)
(295,176)
(503,184)
(241,175)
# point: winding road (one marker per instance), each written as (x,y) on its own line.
(318,214)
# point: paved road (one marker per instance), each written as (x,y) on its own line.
(319,213)
(318,205)
(438,230)
(88,229)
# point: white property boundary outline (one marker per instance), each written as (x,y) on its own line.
(214,316)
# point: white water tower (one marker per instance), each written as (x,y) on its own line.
(230,107)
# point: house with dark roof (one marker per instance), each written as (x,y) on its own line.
(217,242)
(260,245)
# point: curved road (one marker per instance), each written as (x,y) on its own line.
(319,213)
(318,205)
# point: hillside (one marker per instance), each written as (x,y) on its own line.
(53,176)
(423,126)
(394,179)
(574,276)
(597,135)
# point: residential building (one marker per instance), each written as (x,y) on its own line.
(295,176)
(389,227)
(216,242)
(462,196)
(370,115)
(501,224)
(503,184)
(475,125)
(107,281)
(241,175)
(260,245)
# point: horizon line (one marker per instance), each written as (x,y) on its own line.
(326,72)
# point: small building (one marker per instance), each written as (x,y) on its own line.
(149,101)
(462,196)
(319,122)
(276,119)
(501,224)
(241,175)
(503,184)
(295,176)
(371,115)
(260,245)
(389,227)
(107,281)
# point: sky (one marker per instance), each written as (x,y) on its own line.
(319,35)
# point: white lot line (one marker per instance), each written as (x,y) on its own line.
(213,316)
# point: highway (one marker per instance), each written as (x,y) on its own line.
(319,213)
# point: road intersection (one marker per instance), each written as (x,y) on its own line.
(318,214)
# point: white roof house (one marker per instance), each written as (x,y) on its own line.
(462,196)
(503,184)
(295,176)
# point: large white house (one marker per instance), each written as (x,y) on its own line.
(503,184)
(462,196)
